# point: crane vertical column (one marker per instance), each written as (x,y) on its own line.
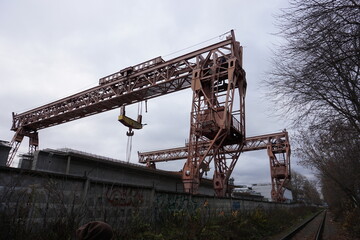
(216,118)
(279,157)
(17,139)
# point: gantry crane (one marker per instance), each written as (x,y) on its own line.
(276,144)
(218,82)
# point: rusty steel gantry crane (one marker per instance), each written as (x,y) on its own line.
(215,75)
(276,144)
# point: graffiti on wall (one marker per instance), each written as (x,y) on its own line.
(123,196)
(173,202)
(235,206)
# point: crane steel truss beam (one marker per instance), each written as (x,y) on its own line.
(144,81)
(161,79)
(278,149)
(251,144)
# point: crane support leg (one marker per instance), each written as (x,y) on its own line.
(215,119)
(16,142)
(223,170)
(33,142)
(279,157)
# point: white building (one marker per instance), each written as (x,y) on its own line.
(265,190)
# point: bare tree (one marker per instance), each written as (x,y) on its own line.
(315,82)
(316,72)
(304,190)
(311,193)
(335,154)
(297,181)
(334,197)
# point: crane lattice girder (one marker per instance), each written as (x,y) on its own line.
(278,149)
(119,89)
(251,144)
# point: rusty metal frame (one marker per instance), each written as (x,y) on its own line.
(203,70)
(17,139)
(215,119)
(151,79)
(276,144)
(253,143)
(164,78)
(148,80)
(279,156)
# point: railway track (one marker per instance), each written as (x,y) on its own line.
(311,229)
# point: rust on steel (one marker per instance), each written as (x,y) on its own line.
(130,85)
(251,144)
(276,144)
(217,116)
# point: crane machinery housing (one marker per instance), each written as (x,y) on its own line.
(217,119)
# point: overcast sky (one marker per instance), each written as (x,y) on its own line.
(52,49)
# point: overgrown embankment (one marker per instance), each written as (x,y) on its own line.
(257,224)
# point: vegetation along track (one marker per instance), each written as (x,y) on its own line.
(310,229)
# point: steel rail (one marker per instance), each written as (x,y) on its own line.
(321,228)
(319,231)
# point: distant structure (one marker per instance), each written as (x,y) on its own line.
(265,189)
(246,192)
(260,191)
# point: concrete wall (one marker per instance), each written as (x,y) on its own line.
(4,152)
(76,163)
(62,187)
(38,198)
